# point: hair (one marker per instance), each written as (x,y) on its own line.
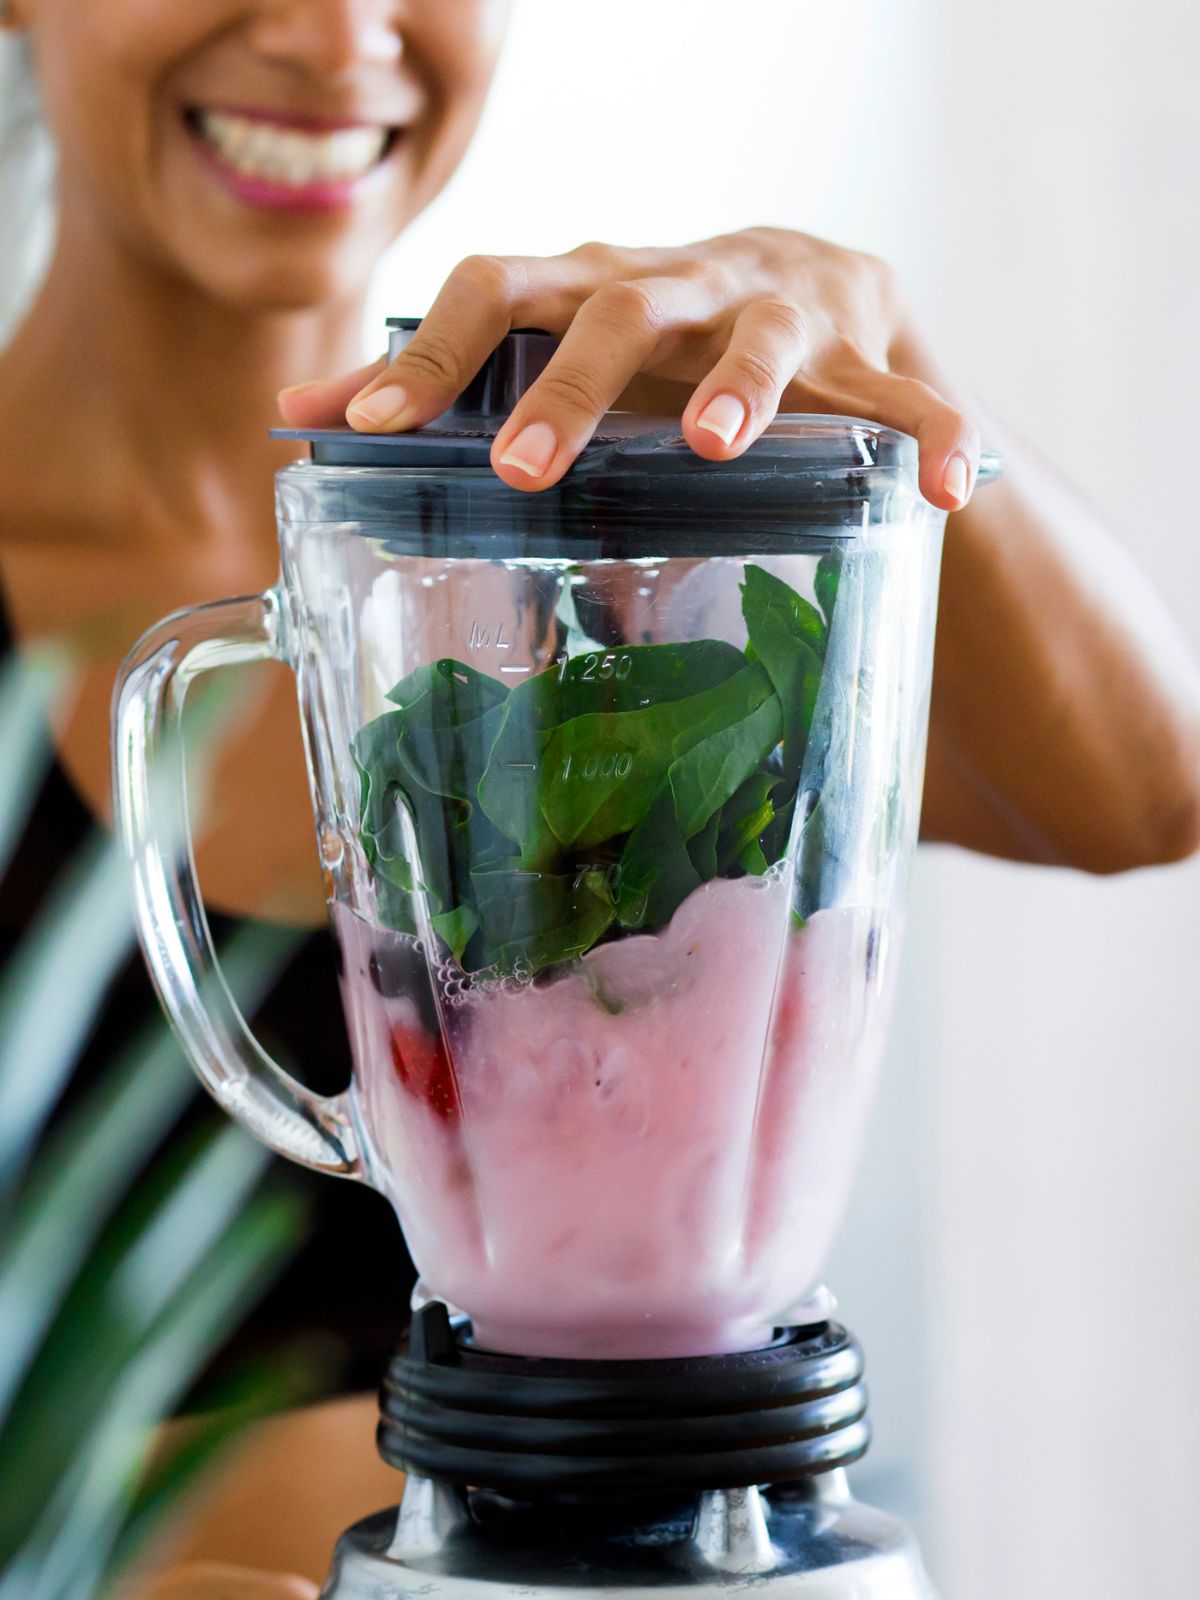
(26,184)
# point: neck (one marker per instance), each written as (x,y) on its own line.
(157,385)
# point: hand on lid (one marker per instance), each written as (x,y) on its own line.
(727,332)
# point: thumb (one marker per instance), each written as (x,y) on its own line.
(322,404)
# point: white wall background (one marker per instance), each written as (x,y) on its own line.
(1021,1257)
(661,121)
(1064,1195)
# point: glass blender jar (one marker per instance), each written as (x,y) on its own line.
(616,789)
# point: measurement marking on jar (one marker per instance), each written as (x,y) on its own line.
(520,766)
(616,664)
(612,765)
(481,638)
(515,671)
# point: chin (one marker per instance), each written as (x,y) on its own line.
(296,290)
(267,282)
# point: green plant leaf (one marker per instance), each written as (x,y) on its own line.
(660,867)
(702,849)
(597,770)
(825,582)
(789,639)
(747,817)
(160,1238)
(509,811)
(456,928)
(534,919)
(68,1548)
(547,777)
(86,1164)
(657,873)
(714,770)
(752,860)
(259,1388)
(447,722)
(51,987)
(425,760)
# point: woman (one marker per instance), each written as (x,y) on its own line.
(228,173)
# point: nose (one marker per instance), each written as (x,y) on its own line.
(329,37)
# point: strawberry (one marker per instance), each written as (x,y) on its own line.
(424,1069)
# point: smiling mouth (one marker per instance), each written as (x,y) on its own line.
(286,152)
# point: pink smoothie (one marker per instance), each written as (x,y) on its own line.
(646,1156)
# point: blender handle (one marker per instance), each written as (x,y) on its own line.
(151,818)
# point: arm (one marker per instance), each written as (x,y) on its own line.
(1065,725)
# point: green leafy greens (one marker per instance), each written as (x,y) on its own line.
(595,796)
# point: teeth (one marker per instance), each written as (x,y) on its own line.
(289,155)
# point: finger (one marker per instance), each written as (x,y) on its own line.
(741,394)
(482,299)
(619,330)
(322,404)
(948,443)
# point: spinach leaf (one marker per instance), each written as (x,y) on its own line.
(598,794)
(825,582)
(776,836)
(576,756)
(376,755)
(519,769)
(534,919)
(788,638)
(752,861)
(746,818)
(702,848)
(426,758)
(448,720)
(672,850)
(462,693)
(713,770)
(456,928)
(598,770)
(656,872)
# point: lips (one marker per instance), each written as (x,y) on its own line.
(274,158)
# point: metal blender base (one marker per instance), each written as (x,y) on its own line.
(540,1478)
(821,1545)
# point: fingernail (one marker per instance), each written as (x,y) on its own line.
(532,450)
(723,415)
(956,480)
(377,409)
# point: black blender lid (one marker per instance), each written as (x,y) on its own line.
(637,489)
(463,434)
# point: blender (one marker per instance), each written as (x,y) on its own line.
(616,790)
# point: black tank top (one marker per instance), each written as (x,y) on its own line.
(344,1296)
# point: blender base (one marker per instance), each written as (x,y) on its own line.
(819,1545)
(705,1475)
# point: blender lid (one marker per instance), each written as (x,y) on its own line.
(806,475)
(462,436)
